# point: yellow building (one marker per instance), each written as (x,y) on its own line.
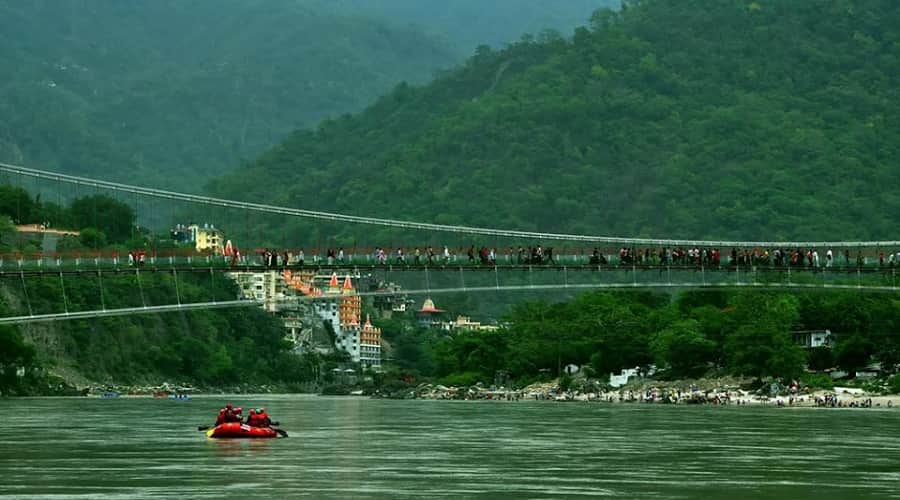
(207,239)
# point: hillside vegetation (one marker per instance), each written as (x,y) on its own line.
(207,347)
(672,118)
(746,333)
(168,93)
(144,91)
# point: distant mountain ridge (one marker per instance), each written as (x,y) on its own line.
(146,90)
(169,93)
(682,119)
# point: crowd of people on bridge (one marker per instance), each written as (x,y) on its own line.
(778,257)
(708,257)
(627,256)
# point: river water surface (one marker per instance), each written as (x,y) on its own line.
(359,448)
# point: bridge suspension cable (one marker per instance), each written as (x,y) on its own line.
(125,311)
(355,219)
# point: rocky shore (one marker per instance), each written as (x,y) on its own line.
(167,388)
(702,392)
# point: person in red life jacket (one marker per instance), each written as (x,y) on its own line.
(263,417)
(224,414)
(228,414)
(251,418)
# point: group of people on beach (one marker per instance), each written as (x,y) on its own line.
(832,401)
(257,416)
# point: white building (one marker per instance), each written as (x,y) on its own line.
(342,309)
(336,304)
(266,286)
(812,339)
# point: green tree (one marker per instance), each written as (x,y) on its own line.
(92,238)
(6,226)
(853,353)
(684,349)
(762,349)
(821,358)
(17,204)
(15,354)
(761,344)
(111,217)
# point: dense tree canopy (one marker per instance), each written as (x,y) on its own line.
(206,347)
(744,333)
(113,218)
(731,119)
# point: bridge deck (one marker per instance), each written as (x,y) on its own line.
(342,270)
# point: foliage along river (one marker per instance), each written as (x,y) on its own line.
(361,448)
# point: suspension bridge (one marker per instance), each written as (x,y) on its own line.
(573,269)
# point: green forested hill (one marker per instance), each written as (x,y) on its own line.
(168,93)
(673,118)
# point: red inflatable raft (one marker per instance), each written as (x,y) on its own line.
(238,430)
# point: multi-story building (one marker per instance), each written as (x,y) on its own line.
(204,238)
(429,316)
(341,307)
(264,286)
(294,331)
(208,239)
(370,345)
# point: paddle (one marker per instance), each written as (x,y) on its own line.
(207,427)
(280,432)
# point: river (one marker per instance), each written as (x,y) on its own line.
(125,448)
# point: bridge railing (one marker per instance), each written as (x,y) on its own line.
(113,260)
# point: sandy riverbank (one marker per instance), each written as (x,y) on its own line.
(663,394)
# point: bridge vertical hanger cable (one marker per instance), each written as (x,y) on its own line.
(177,293)
(137,275)
(136,225)
(100,282)
(59,199)
(62,287)
(96,227)
(19,209)
(25,290)
(212,284)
